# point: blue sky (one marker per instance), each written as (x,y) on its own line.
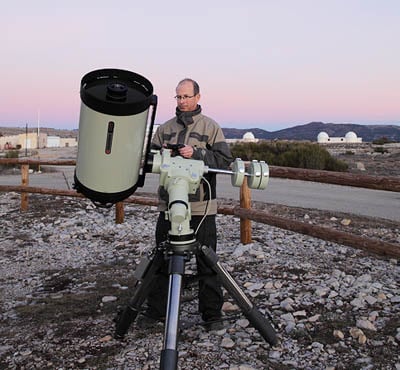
(260,63)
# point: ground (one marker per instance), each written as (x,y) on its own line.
(67,268)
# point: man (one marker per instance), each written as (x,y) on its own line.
(201,138)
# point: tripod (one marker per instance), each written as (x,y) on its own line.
(177,258)
(180,177)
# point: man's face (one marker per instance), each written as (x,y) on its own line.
(188,104)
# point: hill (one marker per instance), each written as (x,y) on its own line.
(308,131)
(311,130)
(8,131)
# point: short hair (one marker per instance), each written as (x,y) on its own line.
(196,87)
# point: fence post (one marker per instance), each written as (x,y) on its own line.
(24,182)
(119,212)
(245,202)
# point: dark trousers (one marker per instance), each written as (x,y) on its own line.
(210,292)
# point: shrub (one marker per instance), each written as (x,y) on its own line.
(289,154)
(12,154)
(9,154)
(382,140)
(380,149)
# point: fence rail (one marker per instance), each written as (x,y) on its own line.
(244,211)
(388,183)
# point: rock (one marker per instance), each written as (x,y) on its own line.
(322,291)
(243,323)
(314,318)
(227,343)
(365,324)
(275,355)
(109,298)
(360,166)
(286,304)
(362,339)
(229,307)
(358,303)
(300,313)
(356,332)
(395,299)
(107,338)
(345,222)
(338,334)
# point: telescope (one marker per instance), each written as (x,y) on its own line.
(114,134)
(114,155)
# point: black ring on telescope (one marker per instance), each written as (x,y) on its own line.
(177,201)
(95,92)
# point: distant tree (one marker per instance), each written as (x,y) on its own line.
(382,140)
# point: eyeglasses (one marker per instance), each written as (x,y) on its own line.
(184,97)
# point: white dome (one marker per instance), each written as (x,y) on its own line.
(322,136)
(350,135)
(248,136)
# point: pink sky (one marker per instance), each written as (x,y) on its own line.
(260,64)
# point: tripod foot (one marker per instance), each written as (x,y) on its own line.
(169,359)
(263,326)
(254,316)
(123,321)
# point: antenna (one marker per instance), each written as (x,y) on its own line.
(38,128)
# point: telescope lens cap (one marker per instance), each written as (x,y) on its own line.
(117,91)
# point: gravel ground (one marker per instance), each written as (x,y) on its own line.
(66,268)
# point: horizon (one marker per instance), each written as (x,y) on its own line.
(34,127)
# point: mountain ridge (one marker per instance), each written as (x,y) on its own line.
(311,130)
(308,131)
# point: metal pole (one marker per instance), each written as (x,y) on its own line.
(38,129)
(26,140)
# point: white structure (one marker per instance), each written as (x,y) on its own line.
(248,137)
(53,141)
(350,137)
(31,140)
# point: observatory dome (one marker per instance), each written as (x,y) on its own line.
(350,136)
(322,137)
(248,136)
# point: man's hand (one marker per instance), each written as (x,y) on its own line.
(186,151)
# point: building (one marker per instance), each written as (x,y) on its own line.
(248,137)
(349,138)
(32,140)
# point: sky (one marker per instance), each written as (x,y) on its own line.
(259,63)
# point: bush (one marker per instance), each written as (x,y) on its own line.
(289,154)
(382,140)
(12,154)
(380,149)
(9,154)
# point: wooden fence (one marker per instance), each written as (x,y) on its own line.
(244,211)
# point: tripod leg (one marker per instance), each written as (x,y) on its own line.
(169,353)
(258,321)
(141,291)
